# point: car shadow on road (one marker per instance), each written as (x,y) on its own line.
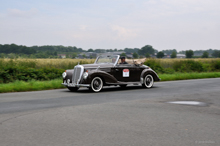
(110,89)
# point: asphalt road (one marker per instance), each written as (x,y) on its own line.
(114,117)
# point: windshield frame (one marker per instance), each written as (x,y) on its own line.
(118,56)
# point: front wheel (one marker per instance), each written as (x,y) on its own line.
(96,84)
(148,81)
(73,89)
(123,86)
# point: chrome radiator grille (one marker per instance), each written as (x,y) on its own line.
(77,73)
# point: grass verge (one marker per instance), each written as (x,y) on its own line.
(187,76)
(33,85)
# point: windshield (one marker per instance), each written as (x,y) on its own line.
(107,59)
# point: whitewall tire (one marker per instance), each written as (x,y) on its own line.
(96,84)
(148,81)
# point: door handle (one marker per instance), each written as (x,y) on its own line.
(116,69)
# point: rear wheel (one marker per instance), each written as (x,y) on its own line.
(148,81)
(96,84)
(73,89)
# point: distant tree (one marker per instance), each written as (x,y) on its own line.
(147,55)
(90,50)
(123,54)
(12,56)
(216,54)
(74,55)
(173,55)
(135,55)
(169,52)
(110,50)
(99,50)
(160,54)
(55,53)
(146,49)
(2,55)
(47,53)
(131,50)
(189,53)
(41,55)
(205,54)
(84,56)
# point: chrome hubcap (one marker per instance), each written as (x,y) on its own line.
(97,84)
(149,81)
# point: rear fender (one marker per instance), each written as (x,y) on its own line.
(152,72)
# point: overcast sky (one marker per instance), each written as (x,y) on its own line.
(110,24)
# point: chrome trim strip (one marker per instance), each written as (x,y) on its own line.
(75,85)
(123,83)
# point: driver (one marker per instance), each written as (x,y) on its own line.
(123,60)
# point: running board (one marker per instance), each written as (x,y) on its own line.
(124,83)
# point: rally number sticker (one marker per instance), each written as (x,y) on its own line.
(125,72)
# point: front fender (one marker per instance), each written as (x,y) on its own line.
(104,75)
(152,72)
(69,74)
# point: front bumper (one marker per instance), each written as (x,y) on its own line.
(75,85)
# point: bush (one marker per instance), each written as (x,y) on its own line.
(188,66)
(215,65)
(169,71)
(10,74)
(155,65)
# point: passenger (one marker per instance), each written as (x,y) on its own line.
(113,60)
(123,60)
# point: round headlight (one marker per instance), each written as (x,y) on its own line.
(68,81)
(64,75)
(85,75)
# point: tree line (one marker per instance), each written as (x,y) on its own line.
(49,51)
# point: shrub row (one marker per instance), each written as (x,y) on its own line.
(25,70)
(10,74)
(184,66)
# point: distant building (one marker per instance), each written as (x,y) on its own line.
(88,55)
(129,55)
(180,56)
(62,55)
(198,54)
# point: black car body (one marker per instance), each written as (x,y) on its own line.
(107,71)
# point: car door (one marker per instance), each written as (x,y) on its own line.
(135,73)
(126,73)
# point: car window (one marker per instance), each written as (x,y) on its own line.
(106,59)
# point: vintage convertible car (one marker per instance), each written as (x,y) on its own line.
(107,71)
